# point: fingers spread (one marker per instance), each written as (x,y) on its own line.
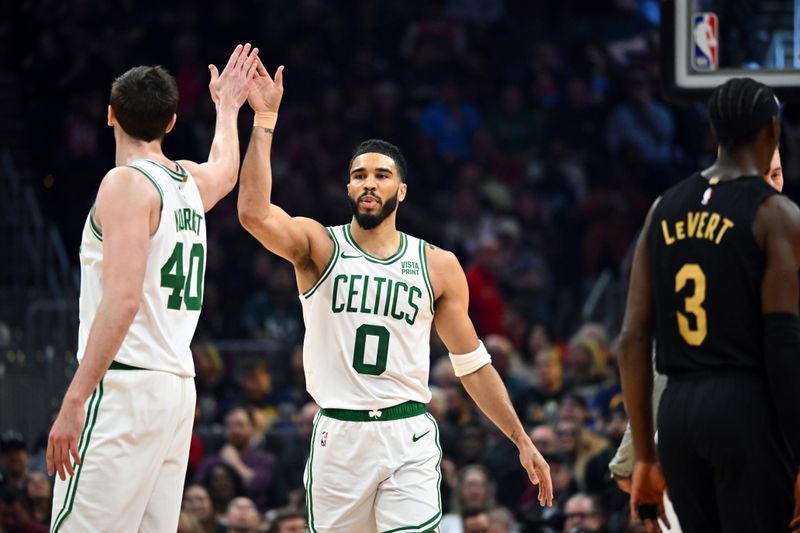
(250,64)
(214,73)
(234,56)
(243,56)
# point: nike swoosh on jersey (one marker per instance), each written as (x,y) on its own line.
(414,437)
(345,256)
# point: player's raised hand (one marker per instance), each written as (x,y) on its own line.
(647,490)
(63,440)
(266,92)
(232,85)
(538,472)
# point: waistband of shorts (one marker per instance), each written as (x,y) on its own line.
(395,412)
(116,365)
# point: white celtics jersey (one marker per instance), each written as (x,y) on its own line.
(172,294)
(368,326)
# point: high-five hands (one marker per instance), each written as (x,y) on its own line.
(265,92)
(232,86)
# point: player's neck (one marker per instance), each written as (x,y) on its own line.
(731,164)
(129,150)
(380,241)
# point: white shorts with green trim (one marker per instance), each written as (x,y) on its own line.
(134,450)
(374,471)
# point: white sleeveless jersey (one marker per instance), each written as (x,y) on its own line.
(172,294)
(368,327)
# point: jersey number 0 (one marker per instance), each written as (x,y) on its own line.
(362,333)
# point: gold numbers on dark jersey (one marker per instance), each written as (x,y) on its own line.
(694,336)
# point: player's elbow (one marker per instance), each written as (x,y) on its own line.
(127,303)
(251,217)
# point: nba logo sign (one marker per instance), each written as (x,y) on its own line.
(324,440)
(705,30)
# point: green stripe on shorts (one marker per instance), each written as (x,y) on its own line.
(90,412)
(309,500)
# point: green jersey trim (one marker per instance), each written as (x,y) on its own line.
(153,181)
(328,268)
(423,256)
(396,412)
(94,226)
(178,175)
(389,260)
(72,489)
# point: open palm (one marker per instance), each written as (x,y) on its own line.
(233,84)
(265,92)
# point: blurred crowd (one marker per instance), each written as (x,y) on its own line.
(536,136)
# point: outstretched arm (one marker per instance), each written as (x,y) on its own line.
(484,384)
(300,240)
(217,177)
(125,203)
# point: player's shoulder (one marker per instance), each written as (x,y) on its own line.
(440,259)
(777,217)
(778,210)
(127,184)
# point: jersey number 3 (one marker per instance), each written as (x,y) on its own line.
(172,277)
(693,304)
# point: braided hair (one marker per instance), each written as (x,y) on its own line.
(739,109)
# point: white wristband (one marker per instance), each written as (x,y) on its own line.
(467,363)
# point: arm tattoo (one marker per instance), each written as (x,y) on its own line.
(269,130)
(514,437)
(432,247)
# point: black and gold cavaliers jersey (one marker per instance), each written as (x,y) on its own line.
(706,274)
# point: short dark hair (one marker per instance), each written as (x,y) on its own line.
(287,513)
(386,148)
(144,100)
(739,109)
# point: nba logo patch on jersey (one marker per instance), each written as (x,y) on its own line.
(705,45)
(323,441)
(707,196)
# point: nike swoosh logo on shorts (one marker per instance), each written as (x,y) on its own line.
(414,437)
(345,256)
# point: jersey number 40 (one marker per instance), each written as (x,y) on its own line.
(172,277)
